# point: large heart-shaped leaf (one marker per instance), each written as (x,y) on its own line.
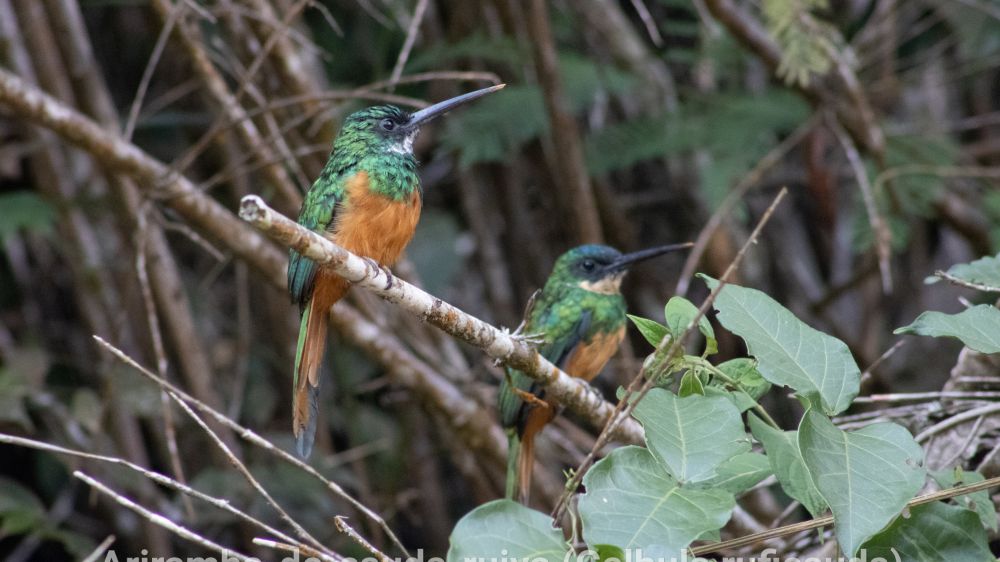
(786,461)
(978,327)
(691,436)
(865,476)
(934,532)
(632,503)
(503,528)
(788,351)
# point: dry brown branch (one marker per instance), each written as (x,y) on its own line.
(498,344)
(572,178)
(828,520)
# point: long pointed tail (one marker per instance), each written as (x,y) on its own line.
(520,463)
(513,457)
(308,357)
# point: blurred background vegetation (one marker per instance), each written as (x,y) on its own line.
(628,122)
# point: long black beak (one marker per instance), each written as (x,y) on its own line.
(440,108)
(626,261)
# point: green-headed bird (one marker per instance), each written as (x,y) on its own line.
(579,319)
(367,199)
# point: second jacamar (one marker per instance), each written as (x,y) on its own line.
(579,319)
(367,199)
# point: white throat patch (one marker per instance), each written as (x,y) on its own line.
(606,286)
(405,147)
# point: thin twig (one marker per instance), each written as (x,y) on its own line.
(749,180)
(254,439)
(928,396)
(967,284)
(411,38)
(880,229)
(242,469)
(156,477)
(828,520)
(100,550)
(160,520)
(147,73)
(342,526)
(955,420)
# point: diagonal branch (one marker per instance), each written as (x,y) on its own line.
(498,344)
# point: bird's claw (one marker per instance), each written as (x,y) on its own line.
(594,391)
(376,266)
(533,340)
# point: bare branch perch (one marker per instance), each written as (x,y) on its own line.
(498,344)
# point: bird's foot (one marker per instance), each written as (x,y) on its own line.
(594,392)
(519,336)
(376,266)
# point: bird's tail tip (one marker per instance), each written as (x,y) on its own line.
(305,430)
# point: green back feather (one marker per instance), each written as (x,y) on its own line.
(360,146)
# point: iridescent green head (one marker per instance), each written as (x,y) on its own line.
(601,268)
(387,129)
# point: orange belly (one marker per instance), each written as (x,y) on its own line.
(587,360)
(372,225)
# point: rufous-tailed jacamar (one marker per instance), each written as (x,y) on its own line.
(578,318)
(367,200)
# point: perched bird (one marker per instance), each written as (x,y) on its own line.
(367,199)
(578,318)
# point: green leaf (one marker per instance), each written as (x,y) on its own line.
(984,271)
(744,372)
(690,385)
(978,327)
(24,209)
(933,532)
(741,472)
(651,330)
(786,461)
(503,528)
(978,501)
(679,312)
(866,476)
(789,352)
(692,436)
(740,399)
(633,504)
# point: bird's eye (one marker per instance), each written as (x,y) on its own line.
(387,124)
(589,265)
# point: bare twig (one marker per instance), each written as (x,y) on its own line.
(411,38)
(342,526)
(749,180)
(498,344)
(156,477)
(100,550)
(176,11)
(160,520)
(967,284)
(253,438)
(880,229)
(828,520)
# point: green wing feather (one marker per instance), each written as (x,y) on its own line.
(317,215)
(562,325)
